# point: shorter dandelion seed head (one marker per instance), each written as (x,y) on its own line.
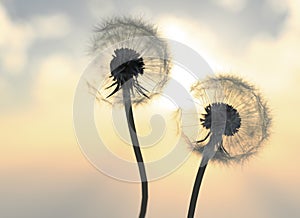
(233,117)
(231,121)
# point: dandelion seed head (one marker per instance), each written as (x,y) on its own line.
(231,122)
(235,119)
(129,51)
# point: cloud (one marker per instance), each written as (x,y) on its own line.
(17,37)
(51,27)
(271,62)
(232,5)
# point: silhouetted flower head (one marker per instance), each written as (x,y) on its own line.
(234,119)
(129,54)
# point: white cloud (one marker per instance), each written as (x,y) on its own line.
(274,62)
(52,26)
(271,62)
(17,37)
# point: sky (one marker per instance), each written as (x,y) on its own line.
(43,53)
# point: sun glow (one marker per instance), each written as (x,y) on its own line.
(174,31)
(198,36)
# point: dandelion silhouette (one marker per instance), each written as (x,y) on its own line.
(133,53)
(234,124)
(137,62)
(124,71)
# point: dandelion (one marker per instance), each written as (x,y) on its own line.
(138,58)
(133,66)
(234,123)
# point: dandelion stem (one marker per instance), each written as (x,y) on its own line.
(196,189)
(137,150)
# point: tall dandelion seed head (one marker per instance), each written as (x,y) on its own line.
(234,119)
(129,54)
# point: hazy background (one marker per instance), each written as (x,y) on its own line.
(42,55)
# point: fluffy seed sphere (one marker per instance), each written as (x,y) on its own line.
(234,118)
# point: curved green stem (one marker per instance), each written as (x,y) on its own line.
(137,150)
(196,189)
